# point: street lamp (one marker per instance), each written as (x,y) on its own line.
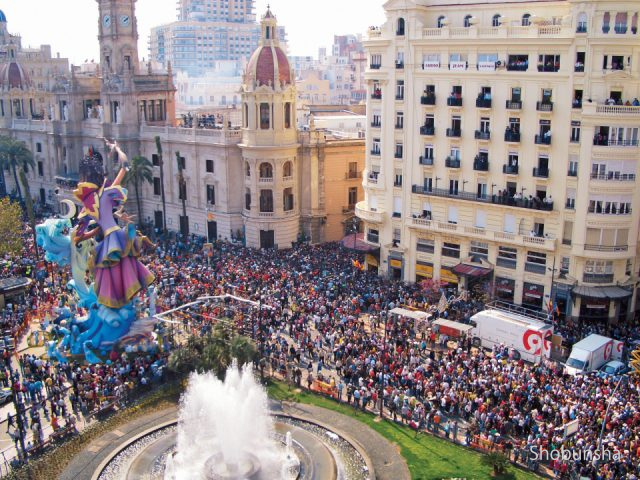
(552,292)
(354,222)
(606,415)
(384,350)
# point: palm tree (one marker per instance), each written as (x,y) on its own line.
(140,171)
(28,201)
(164,204)
(182,189)
(16,155)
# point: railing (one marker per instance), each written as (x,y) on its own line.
(352,175)
(543,140)
(540,172)
(373,238)
(483,103)
(576,103)
(570,204)
(67,183)
(399,126)
(375,152)
(611,176)
(454,102)
(399,65)
(375,124)
(454,132)
(397,155)
(480,135)
(428,161)
(578,68)
(535,267)
(493,199)
(607,142)
(287,178)
(399,97)
(581,28)
(510,136)
(597,277)
(572,173)
(452,162)
(510,169)
(544,106)
(376,95)
(548,68)
(481,165)
(375,66)
(513,105)
(265,214)
(265,180)
(428,100)
(610,211)
(606,248)
(427,130)
(518,67)
(618,109)
(503,31)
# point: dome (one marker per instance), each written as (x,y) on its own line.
(3,17)
(269,63)
(12,75)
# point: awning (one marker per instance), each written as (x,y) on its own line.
(462,327)
(356,241)
(415,314)
(611,293)
(473,266)
(13,283)
(371,260)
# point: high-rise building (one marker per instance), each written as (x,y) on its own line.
(503,150)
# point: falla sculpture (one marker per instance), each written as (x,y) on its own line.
(104,246)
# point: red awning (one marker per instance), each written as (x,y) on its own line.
(471,270)
(357,242)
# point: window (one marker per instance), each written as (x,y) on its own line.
(247,169)
(287,169)
(209,166)
(548,63)
(247,199)
(376,61)
(479,249)
(536,262)
(509,223)
(575,131)
(182,163)
(399,120)
(38,147)
(397,181)
(526,20)
(581,26)
(399,59)
(399,150)
(157,190)
(621,22)
(481,219)
(287,115)
(495,21)
(518,63)
(266,170)
(287,199)
(628,267)
(452,216)
(353,196)
(451,250)
(373,236)
(266,201)
(580,59)
(264,116)
(453,190)
(507,257)
(376,146)
(40,169)
(400,90)
(155,160)
(565,263)
(211,195)
(571,198)
(245,120)
(400,29)
(606,22)
(425,246)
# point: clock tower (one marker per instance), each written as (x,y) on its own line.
(118,37)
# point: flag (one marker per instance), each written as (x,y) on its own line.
(442,304)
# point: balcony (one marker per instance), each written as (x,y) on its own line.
(454,101)
(399,126)
(483,102)
(549,68)
(374,180)
(581,28)
(351,175)
(426,161)
(397,155)
(452,162)
(366,213)
(375,66)
(570,204)
(576,103)
(614,176)
(492,199)
(376,124)
(513,105)
(427,130)
(597,277)
(373,238)
(611,209)
(480,165)
(539,172)
(480,135)
(544,106)
(535,268)
(572,173)
(454,132)
(510,169)
(376,95)
(399,98)
(606,248)
(578,68)
(612,142)
(510,136)
(265,180)
(375,152)
(428,99)
(543,140)
(399,65)
(68,182)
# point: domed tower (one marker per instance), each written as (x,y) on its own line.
(269,145)
(17,91)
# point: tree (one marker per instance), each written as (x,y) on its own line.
(10,227)
(497,461)
(164,203)
(28,201)
(140,170)
(15,155)
(183,194)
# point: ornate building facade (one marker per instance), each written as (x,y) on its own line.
(503,150)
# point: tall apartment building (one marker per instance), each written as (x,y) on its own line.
(503,150)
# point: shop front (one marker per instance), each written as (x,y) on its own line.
(451,279)
(424,271)
(395,268)
(602,304)
(532,295)
(504,289)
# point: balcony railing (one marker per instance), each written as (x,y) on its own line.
(607,248)
(454,102)
(611,210)
(351,175)
(576,103)
(481,165)
(376,95)
(578,68)
(454,132)
(371,238)
(427,130)
(549,68)
(452,162)
(427,161)
(513,105)
(480,135)
(375,66)
(572,173)
(543,140)
(483,102)
(581,28)
(570,204)
(544,106)
(535,268)
(399,65)
(493,199)
(397,155)
(510,136)
(540,172)
(399,97)
(67,183)
(399,126)
(375,152)
(612,142)
(597,277)
(614,176)
(510,169)
(428,100)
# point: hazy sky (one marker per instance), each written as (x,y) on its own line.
(70,26)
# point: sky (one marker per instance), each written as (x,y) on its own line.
(70,26)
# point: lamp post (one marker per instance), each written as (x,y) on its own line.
(354,222)
(552,292)
(606,415)
(19,424)
(384,351)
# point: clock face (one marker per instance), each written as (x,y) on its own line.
(106,21)
(124,20)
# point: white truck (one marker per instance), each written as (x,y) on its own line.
(590,353)
(529,338)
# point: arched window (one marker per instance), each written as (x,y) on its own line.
(247,199)
(266,201)
(266,170)
(247,169)
(496,20)
(526,20)
(287,199)
(400,30)
(606,22)
(287,115)
(287,170)
(264,116)
(581,26)
(467,21)
(621,22)
(441,21)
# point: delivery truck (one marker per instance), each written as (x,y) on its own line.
(530,338)
(590,353)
